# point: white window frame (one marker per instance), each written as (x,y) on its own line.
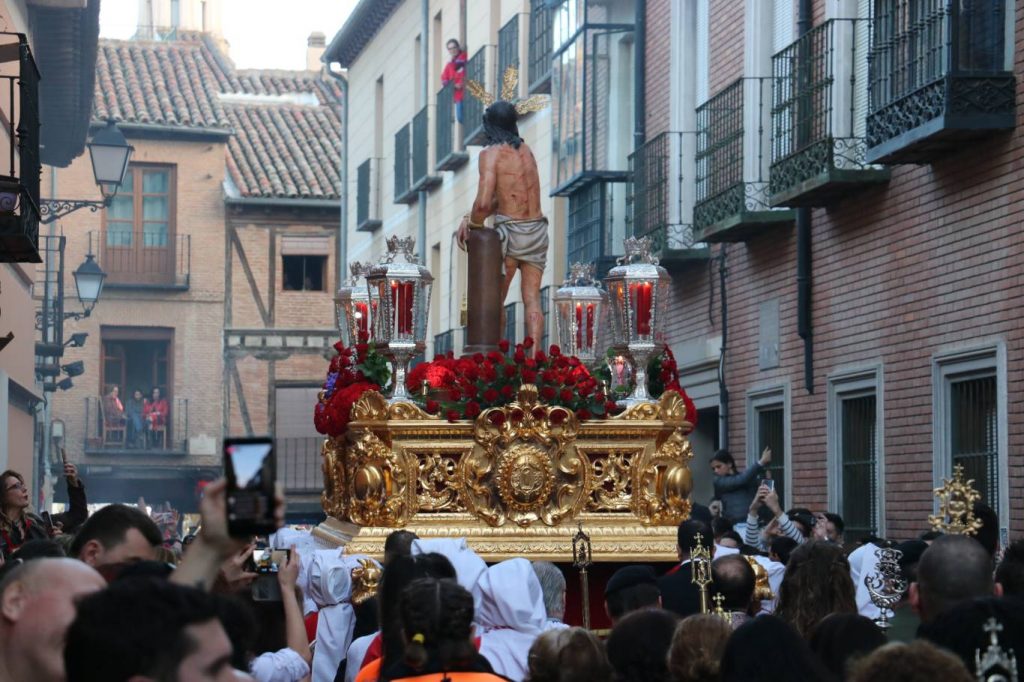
(844,384)
(770,396)
(979,359)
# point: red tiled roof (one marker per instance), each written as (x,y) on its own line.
(276,150)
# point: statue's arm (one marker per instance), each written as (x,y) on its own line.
(484,202)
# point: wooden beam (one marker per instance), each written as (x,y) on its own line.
(251,279)
(242,406)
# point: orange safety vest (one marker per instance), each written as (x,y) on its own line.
(455,677)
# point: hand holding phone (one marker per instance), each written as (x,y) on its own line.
(251,472)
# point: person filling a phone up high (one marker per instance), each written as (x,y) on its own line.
(736,490)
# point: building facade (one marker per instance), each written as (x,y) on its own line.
(846,291)
(220,254)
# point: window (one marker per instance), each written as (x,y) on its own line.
(768,427)
(298,445)
(540,46)
(585,224)
(855,419)
(511,324)
(971,421)
(304,273)
(139,243)
(508,46)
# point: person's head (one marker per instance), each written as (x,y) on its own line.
(39,549)
(918,661)
(719,527)
(781,548)
(638,646)
(398,543)
(962,628)
(834,527)
(117,534)
(731,539)
(398,574)
(722,463)
(500,124)
(954,569)
(930,536)
(454,49)
(767,649)
(145,629)
(437,623)
(816,584)
(1010,573)
(842,638)
(687,535)
(155,393)
(803,519)
(37,604)
(734,579)
(697,647)
(552,584)
(114,390)
(137,394)
(988,534)
(631,588)
(568,655)
(15,493)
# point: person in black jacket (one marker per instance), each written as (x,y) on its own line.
(736,490)
(18,524)
(678,592)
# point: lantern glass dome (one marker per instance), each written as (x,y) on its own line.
(580,305)
(353,306)
(110,154)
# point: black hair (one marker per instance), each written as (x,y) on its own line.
(398,574)
(688,533)
(767,649)
(437,620)
(500,125)
(961,629)
(931,535)
(735,580)
(1010,573)
(135,627)
(988,534)
(110,525)
(629,599)
(453,40)
(39,549)
(720,526)
(837,521)
(638,646)
(239,622)
(842,638)
(782,547)
(725,457)
(398,543)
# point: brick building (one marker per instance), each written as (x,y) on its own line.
(220,255)
(843,177)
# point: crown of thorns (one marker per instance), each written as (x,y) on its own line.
(509,82)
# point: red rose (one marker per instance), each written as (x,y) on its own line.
(528,342)
(584,389)
(611,406)
(565,395)
(491,395)
(511,371)
(531,363)
(507,391)
(472,409)
(519,357)
(582,414)
(548,393)
(549,376)
(339,346)
(470,390)
(570,380)
(554,351)
(453,415)
(488,373)
(478,358)
(503,345)
(599,397)
(496,357)
(540,357)
(529,376)
(454,394)
(433,407)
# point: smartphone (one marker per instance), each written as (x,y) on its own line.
(768,483)
(251,472)
(47,521)
(266,588)
(269,560)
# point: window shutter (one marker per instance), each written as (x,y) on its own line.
(305,246)
(702,50)
(783,25)
(861,85)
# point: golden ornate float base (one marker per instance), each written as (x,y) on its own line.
(516,481)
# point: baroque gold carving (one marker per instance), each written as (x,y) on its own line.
(613,477)
(370,407)
(377,483)
(436,482)
(333,497)
(408,412)
(662,483)
(956,505)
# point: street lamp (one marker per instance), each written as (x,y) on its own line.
(89,283)
(110,154)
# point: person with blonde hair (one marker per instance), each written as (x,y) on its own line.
(568,655)
(697,647)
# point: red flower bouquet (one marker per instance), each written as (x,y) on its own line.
(353,371)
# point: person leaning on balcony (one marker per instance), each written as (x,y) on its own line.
(18,525)
(133,414)
(455,72)
(113,409)
(155,411)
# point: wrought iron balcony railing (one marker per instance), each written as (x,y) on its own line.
(450,154)
(19,187)
(298,463)
(143,260)
(508,46)
(472,108)
(657,203)
(120,434)
(422,180)
(938,74)
(368,196)
(404,193)
(444,342)
(819,102)
(511,324)
(732,202)
(539,72)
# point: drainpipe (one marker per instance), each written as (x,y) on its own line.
(421,232)
(640,77)
(723,391)
(342,268)
(803,248)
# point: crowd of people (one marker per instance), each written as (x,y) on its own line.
(139,422)
(108,597)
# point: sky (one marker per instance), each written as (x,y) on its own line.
(260,34)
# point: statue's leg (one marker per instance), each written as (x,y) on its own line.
(511,265)
(531,278)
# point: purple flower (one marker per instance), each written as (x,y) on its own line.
(332,379)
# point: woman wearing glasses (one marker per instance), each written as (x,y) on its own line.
(18,525)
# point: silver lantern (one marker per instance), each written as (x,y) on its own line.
(579,305)
(638,290)
(353,305)
(399,289)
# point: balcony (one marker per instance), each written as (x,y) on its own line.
(657,200)
(508,46)
(19,187)
(472,108)
(143,260)
(368,196)
(539,68)
(818,108)
(444,343)
(732,202)
(938,75)
(298,464)
(450,156)
(422,180)
(107,435)
(404,193)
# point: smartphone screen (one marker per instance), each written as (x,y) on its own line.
(47,521)
(269,560)
(250,469)
(768,483)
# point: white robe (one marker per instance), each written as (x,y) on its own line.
(511,616)
(330,587)
(863,563)
(468,564)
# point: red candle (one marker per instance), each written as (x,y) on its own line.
(362,318)
(590,325)
(401,303)
(579,326)
(641,296)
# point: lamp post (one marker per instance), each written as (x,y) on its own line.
(399,289)
(110,153)
(638,290)
(579,305)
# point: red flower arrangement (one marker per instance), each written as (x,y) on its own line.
(353,371)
